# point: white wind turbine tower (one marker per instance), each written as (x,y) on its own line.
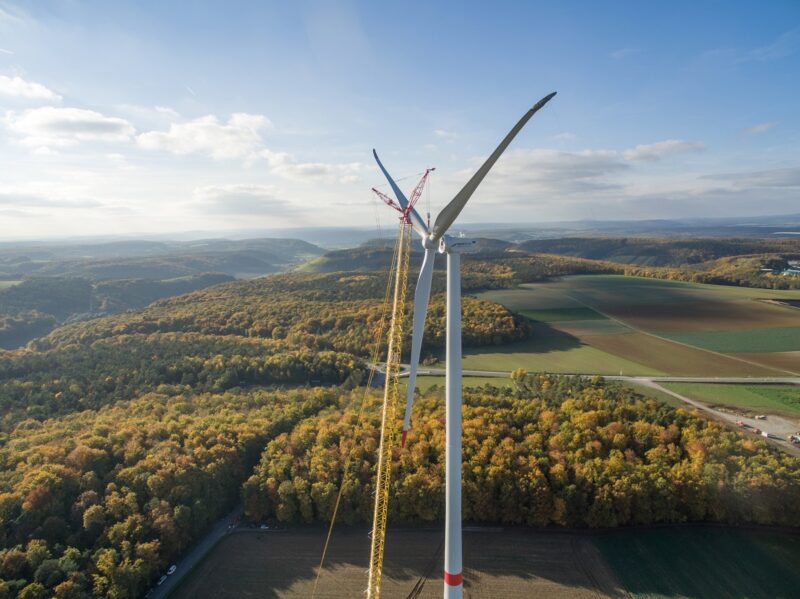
(452,248)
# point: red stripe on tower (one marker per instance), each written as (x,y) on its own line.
(453,580)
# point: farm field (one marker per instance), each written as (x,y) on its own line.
(704,563)
(649,326)
(510,563)
(695,562)
(7,284)
(781,399)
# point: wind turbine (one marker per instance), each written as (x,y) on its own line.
(452,247)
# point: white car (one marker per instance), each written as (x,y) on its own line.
(161,580)
(171,570)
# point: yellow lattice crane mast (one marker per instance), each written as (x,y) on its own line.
(391,392)
(391,395)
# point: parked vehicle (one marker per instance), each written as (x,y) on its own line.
(761,417)
(161,580)
(171,570)
(739,423)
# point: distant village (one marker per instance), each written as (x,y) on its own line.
(793,269)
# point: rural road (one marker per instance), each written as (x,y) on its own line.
(195,556)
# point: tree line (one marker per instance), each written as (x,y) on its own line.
(556,451)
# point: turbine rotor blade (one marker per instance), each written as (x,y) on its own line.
(450,212)
(416,220)
(422,295)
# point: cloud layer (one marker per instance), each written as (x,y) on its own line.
(17,87)
(238,138)
(656,151)
(52,126)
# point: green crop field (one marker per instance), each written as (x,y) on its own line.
(760,398)
(7,284)
(606,324)
(742,340)
(548,354)
(704,563)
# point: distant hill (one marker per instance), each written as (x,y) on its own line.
(377,255)
(155,260)
(659,252)
(35,306)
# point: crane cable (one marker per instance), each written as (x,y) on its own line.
(374,358)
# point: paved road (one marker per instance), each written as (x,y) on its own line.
(196,555)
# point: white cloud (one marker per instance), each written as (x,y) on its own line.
(238,138)
(51,126)
(760,128)
(565,136)
(241,200)
(774,178)
(45,151)
(521,173)
(446,135)
(656,151)
(17,87)
(5,51)
(27,200)
(285,165)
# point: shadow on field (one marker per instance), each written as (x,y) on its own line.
(544,339)
(499,563)
(705,562)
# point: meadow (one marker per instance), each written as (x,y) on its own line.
(608,324)
(779,399)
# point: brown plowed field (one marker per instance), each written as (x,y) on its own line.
(500,565)
(788,360)
(676,359)
(704,315)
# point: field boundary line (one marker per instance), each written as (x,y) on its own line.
(709,351)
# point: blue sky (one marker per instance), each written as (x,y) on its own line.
(151,117)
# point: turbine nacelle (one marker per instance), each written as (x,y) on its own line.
(450,245)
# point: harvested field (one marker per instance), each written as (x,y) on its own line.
(675,359)
(788,360)
(501,564)
(706,316)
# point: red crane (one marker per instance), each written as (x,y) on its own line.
(415,195)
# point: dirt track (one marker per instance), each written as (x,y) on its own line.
(500,564)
